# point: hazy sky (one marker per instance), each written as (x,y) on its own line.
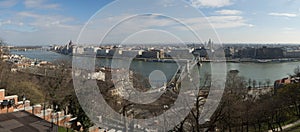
(44,22)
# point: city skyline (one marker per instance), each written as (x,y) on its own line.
(44,22)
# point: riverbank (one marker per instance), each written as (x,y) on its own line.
(250,70)
(204,60)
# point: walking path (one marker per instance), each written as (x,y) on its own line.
(287,126)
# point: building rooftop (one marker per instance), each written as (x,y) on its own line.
(23,121)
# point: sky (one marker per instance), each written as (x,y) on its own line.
(47,22)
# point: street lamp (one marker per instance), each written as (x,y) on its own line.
(24,98)
(45,105)
(56,109)
(51,115)
(165,108)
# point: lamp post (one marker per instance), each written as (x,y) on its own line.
(165,108)
(24,98)
(51,115)
(56,108)
(51,120)
(45,105)
(44,113)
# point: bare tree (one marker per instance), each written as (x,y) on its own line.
(249,82)
(2,49)
(58,84)
(259,84)
(268,82)
(297,71)
(254,83)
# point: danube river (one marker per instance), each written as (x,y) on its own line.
(258,71)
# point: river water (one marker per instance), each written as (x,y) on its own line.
(256,71)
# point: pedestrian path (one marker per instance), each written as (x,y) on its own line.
(287,126)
